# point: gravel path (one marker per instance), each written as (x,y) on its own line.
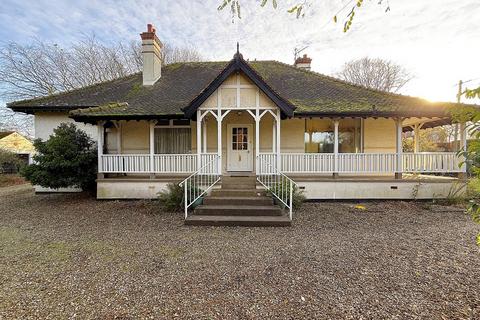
(69,256)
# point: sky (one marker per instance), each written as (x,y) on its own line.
(438,41)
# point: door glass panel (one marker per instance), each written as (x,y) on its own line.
(239,138)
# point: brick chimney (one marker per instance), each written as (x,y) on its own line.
(152,58)
(303,62)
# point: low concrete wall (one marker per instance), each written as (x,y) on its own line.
(314,190)
(40,189)
(401,189)
(129,189)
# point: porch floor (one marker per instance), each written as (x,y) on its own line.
(310,177)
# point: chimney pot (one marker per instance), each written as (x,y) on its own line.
(303,62)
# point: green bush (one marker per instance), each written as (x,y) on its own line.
(173,198)
(67,159)
(9,161)
(297,195)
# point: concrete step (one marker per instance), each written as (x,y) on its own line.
(253,201)
(241,221)
(237,193)
(247,180)
(231,185)
(237,210)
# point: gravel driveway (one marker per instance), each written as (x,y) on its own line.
(70,256)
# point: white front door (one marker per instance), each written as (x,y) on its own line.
(240,154)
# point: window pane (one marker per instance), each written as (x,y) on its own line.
(319,136)
(172,140)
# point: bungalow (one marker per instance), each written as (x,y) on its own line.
(232,128)
(16,143)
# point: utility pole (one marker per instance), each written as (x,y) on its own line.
(459,96)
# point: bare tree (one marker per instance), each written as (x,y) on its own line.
(42,69)
(11,121)
(377,74)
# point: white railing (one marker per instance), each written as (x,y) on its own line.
(208,157)
(199,182)
(266,157)
(308,162)
(367,162)
(431,162)
(363,163)
(174,163)
(125,163)
(277,183)
(162,163)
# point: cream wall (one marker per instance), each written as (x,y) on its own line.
(135,137)
(379,136)
(291,134)
(238,87)
(45,122)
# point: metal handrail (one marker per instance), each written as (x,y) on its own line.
(274,177)
(205,177)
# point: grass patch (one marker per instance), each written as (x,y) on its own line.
(7,180)
(18,243)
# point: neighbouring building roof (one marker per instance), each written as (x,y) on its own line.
(15,142)
(182,85)
(3,134)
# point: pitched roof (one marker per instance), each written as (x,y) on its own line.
(179,84)
(317,94)
(182,84)
(3,134)
(239,64)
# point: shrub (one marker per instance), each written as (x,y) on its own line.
(297,195)
(173,198)
(67,159)
(9,161)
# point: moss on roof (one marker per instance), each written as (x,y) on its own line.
(309,92)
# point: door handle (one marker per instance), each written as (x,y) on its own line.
(239,157)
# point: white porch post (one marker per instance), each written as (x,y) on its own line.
(399,129)
(204,133)
(119,137)
(219,141)
(100,139)
(152,148)
(416,140)
(274,134)
(463,147)
(416,137)
(219,131)
(335,146)
(199,139)
(257,139)
(277,145)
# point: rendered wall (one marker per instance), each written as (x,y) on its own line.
(135,137)
(146,189)
(314,190)
(401,189)
(227,94)
(45,122)
(379,136)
